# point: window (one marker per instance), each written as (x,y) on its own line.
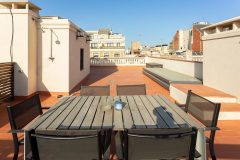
(94,45)
(106,55)
(118,44)
(95,55)
(110,44)
(116,54)
(81,59)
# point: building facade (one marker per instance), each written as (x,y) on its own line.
(135,48)
(189,40)
(221,49)
(175,42)
(48,55)
(106,44)
(181,40)
(162,49)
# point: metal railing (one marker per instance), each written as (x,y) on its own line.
(133,61)
(6,81)
(198,58)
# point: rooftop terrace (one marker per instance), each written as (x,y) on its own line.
(227,139)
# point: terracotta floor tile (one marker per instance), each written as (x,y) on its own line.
(201,90)
(230,107)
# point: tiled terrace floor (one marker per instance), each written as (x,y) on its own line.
(227,139)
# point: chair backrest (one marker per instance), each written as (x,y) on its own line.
(139,89)
(74,145)
(95,91)
(24,112)
(202,109)
(160,143)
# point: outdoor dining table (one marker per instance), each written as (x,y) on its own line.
(140,111)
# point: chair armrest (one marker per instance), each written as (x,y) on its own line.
(46,107)
(212,128)
(16,131)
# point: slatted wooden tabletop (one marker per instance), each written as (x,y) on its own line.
(145,111)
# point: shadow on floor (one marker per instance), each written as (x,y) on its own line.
(6,150)
(98,73)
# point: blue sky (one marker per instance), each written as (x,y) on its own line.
(150,21)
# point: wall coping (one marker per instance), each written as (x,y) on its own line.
(173,59)
(226,34)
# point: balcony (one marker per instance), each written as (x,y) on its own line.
(136,61)
(108,47)
(129,71)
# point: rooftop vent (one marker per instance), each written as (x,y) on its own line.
(201,23)
(104,31)
(51,17)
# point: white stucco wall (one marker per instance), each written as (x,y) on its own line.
(194,69)
(32,47)
(75,74)
(23,50)
(32,54)
(53,76)
(63,73)
(221,65)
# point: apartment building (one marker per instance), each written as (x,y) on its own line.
(189,40)
(106,44)
(156,51)
(162,49)
(49,53)
(181,41)
(221,48)
(136,48)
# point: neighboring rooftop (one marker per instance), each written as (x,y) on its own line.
(51,17)
(201,23)
(234,19)
(104,31)
(232,25)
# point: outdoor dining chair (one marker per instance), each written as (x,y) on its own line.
(66,145)
(20,115)
(95,91)
(159,143)
(207,113)
(139,89)
(99,91)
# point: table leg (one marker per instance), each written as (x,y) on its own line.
(27,147)
(118,144)
(201,144)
